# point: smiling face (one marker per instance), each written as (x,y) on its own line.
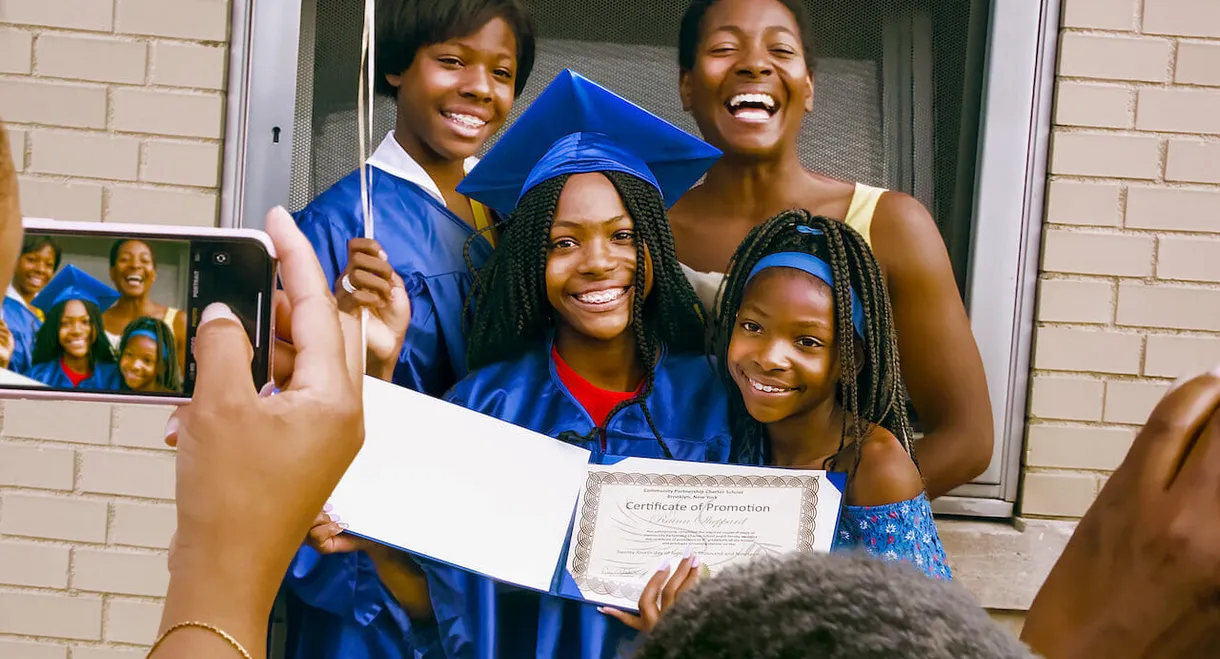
(134,270)
(34,270)
(750,86)
(783,355)
(456,94)
(76,332)
(138,363)
(591,260)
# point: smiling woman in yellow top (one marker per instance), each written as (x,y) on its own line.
(133,269)
(746,76)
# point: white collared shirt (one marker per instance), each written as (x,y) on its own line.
(392,159)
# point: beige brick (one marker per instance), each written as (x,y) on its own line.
(127,573)
(1099,14)
(52,103)
(1192,259)
(1198,63)
(16,141)
(57,518)
(92,155)
(1100,106)
(189,65)
(35,565)
(84,423)
(16,51)
(44,467)
(1193,162)
(97,15)
(31,650)
(1132,402)
(1173,209)
(1179,110)
(130,621)
(186,114)
(1175,307)
(1188,18)
(1072,301)
(61,199)
(1058,495)
(54,616)
(161,206)
(141,426)
(1088,154)
(1078,447)
(1176,356)
(1069,399)
(182,163)
(131,474)
(1093,253)
(1114,58)
(1064,349)
(143,525)
(1073,202)
(109,653)
(202,20)
(92,58)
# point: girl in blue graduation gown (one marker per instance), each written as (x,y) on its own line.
(70,348)
(584,329)
(40,257)
(454,70)
(805,342)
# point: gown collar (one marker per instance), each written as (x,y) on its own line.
(392,159)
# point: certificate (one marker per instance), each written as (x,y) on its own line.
(633,514)
(470,491)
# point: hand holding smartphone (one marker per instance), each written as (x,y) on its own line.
(108,312)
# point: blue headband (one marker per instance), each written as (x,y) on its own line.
(151,335)
(814,266)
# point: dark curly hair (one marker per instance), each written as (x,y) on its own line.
(829,606)
(509,311)
(876,395)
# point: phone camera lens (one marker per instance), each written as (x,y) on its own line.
(220,258)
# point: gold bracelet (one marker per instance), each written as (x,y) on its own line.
(201,625)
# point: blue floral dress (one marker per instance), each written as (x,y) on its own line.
(903,532)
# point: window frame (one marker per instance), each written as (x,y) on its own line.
(1008,201)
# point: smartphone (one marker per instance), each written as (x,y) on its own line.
(108,312)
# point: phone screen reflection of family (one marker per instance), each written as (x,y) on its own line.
(98,313)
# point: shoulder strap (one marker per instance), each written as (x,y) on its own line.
(860,212)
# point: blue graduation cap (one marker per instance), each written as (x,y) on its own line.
(72,283)
(577,126)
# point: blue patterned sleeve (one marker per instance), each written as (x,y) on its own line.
(903,531)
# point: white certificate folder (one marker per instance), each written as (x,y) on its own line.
(474,492)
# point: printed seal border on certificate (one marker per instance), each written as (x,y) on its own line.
(583,545)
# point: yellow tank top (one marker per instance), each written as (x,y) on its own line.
(860,211)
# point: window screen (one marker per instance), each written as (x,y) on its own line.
(896,100)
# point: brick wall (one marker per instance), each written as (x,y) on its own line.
(1128,298)
(116,109)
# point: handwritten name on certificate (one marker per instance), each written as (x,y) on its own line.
(638,512)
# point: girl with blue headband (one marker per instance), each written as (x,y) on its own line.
(806,340)
(147,357)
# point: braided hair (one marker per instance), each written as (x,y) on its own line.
(508,311)
(871,390)
(166,374)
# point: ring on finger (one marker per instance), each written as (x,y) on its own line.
(346,283)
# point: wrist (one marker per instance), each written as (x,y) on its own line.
(239,605)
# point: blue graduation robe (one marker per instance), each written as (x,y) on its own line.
(23,325)
(424,241)
(477,618)
(105,376)
(425,244)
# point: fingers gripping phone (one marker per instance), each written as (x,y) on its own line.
(108,312)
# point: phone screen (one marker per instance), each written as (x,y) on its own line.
(108,312)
